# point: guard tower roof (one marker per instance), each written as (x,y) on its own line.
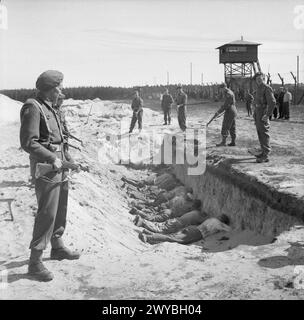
(240,43)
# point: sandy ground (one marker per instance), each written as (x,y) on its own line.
(115,264)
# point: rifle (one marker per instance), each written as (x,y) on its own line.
(214,117)
(71,145)
(69,135)
(44,168)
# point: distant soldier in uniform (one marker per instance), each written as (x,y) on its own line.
(280,102)
(228,125)
(41,136)
(287,98)
(166,105)
(249,99)
(181,103)
(265,103)
(137,107)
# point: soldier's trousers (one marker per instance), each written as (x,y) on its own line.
(50,221)
(186,236)
(275,112)
(262,130)
(135,118)
(228,125)
(181,117)
(248,107)
(169,226)
(280,110)
(285,113)
(167,114)
(159,217)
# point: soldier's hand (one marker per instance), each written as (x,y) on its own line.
(57,164)
(265,118)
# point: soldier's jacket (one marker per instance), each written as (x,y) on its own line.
(265,99)
(167,100)
(181,99)
(229,104)
(62,119)
(137,104)
(249,98)
(39,130)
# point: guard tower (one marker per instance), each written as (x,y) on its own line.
(240,59)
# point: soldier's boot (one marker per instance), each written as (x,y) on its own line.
(232,143)
(37,269)
(64,253)
(222,143)
(262,158)
(138,221)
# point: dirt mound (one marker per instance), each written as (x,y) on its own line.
(9,109)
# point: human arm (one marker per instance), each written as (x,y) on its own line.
(30,134)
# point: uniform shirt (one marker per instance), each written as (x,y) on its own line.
(167,100)
(211,226)
(36,132)
(249,98)
(137,104)
(265,97)
(181,99)
(229,102)
(193,217)
(287,97)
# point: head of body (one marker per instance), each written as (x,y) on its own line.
(136,94)
(166,91)
(197,204)
(259,78)
(49,86)
(223,87)
(285,89)
(179,89)
(225,219)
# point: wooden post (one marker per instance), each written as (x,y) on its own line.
(295,88)
(282,79)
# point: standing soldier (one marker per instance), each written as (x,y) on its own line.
(249,100)
(287,98)
(137,107)
(41,137)
(230,113)
(265,103)
(181,104)
(166,105)
(280,102)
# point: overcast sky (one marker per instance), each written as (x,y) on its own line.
(135,42)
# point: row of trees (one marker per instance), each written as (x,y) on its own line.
(199,92)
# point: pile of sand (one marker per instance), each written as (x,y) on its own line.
(9,109)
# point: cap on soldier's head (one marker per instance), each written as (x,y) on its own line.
(49,80)
(223,85)
(258,74)
(61,96)
(179,86)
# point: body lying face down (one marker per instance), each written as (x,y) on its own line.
(191,233)
(168,224)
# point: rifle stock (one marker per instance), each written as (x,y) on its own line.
(44,168)
(214,117)
(69,135)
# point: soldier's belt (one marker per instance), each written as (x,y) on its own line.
(56,147)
